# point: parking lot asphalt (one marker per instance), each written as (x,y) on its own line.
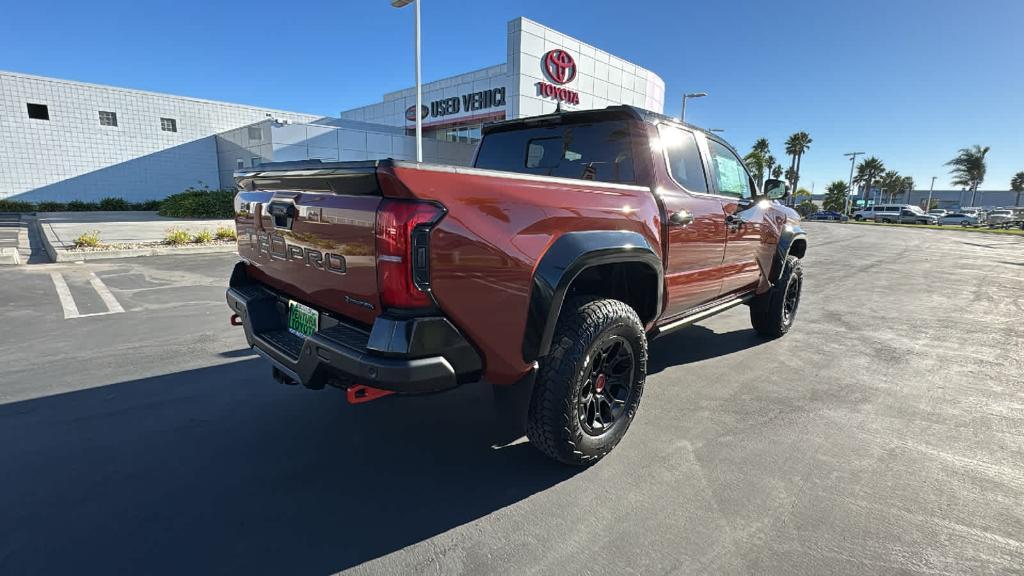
(883,435)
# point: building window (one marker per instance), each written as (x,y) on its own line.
(255,133)
(108,118)
(168,124)
(239,163)
(38,111)
(255,161)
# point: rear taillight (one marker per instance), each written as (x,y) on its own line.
(403,257)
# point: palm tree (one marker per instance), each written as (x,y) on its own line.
(755,162)
(835,196)
(777,171)
(1017,185)
(796,146)
(760,160)
(868,172)
(908,185)
(968,168)
(891,183)
(761,145)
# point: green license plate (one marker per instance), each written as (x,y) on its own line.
(302,320)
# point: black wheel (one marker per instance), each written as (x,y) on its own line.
(772,313)
(589,385)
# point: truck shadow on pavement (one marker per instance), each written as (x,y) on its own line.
(221,469)
(696,343)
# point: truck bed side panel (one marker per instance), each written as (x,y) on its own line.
(484,251)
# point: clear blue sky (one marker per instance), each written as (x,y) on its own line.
(910,81)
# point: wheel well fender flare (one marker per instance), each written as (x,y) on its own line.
(562,263)
(792,240)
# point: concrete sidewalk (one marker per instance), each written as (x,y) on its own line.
(60,229)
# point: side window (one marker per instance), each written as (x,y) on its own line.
(730,175)
(683,158)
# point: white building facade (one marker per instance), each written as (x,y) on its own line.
(544,69)
(64,140)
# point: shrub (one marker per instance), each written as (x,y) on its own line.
(148,205)
(226,233)
(203,237)
(88,240)
(194,203)
(111,203)
(51,207)
(79,206)
(177,237)
(16,206)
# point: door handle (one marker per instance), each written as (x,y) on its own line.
(734,219)
(681,218)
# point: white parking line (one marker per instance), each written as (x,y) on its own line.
(113,306)
(67,301)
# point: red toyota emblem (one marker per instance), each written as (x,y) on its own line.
(560,66)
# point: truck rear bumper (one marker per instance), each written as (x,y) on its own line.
(405,355)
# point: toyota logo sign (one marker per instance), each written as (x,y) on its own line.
(560,66)
(410,112)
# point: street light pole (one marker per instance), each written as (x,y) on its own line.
(419,84)
(931,188)
(853,160)
(682,115)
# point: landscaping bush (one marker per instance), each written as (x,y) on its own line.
(114,204)
(177,237)
(226,233)
(194,203)
(147,205)
(16,206)
(51,207)
(203,237)
(79,206)
(88,240)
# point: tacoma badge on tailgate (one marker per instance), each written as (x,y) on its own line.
(273,246)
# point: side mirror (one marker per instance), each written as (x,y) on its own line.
(775,189)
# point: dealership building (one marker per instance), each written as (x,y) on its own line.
(65,140)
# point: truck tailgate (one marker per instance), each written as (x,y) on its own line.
(313,239)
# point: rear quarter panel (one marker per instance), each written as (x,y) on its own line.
(484,251)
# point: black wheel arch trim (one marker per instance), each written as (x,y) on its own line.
(565,259)
(790,234)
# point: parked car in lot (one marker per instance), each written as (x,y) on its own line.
(544,269)
(1001,218)
(938,212)
(959,219)
(828,215)
(903,214)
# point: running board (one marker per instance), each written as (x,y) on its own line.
(701,315)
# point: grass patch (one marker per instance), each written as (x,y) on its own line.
(87,240)
(226,233)
(984,230)
(177,237)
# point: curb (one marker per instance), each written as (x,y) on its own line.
(61,255)
(65,256)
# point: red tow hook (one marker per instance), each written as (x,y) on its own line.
(236,320)
(361,394)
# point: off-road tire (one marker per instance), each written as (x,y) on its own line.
(553,422)
(768,313)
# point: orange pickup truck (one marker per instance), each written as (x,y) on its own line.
(574,239)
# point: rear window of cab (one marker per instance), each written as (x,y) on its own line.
(599,151)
